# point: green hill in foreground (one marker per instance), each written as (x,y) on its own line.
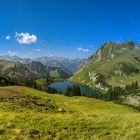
(30,114)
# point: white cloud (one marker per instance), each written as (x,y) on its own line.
(37,50)
(83,50)
(12,53)
(25,38)
(8,37)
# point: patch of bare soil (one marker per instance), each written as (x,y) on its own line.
(11,93)
(16,99)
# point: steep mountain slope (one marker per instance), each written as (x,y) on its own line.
(112,64)
(71,64)
(30,70)
(31,114)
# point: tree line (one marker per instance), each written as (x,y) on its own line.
(73,91)
(28,82)
(114,93)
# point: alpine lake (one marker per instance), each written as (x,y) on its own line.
(62,86)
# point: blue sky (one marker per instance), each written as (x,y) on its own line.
(68,28)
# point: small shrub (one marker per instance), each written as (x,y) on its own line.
(2,131)
(34,133)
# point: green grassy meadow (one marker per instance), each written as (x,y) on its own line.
(27,113)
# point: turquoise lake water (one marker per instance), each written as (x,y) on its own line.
(62,86)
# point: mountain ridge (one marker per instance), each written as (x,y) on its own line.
(117,62)
(72,65)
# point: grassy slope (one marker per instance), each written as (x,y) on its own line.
(85,118)
(106,66)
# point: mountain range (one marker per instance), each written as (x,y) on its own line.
(114,63)
(71,64)
(21,68)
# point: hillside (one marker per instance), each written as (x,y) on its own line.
(33,70)
(116,63)
(30,114)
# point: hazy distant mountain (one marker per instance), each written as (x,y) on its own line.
(114,63)
(15,59)
(71,64)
